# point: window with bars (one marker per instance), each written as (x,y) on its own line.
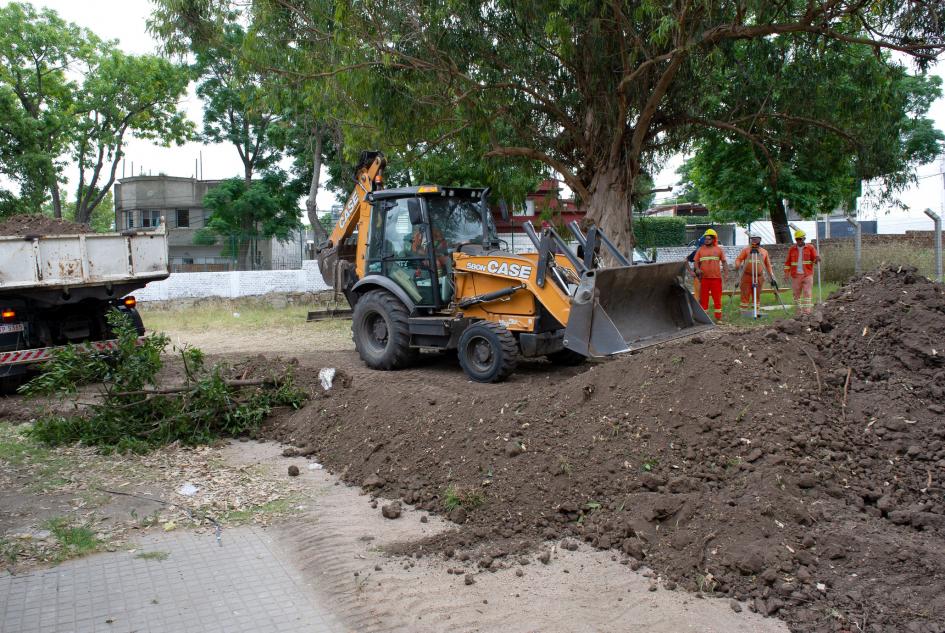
(150,218)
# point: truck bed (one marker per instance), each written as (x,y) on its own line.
(63,262)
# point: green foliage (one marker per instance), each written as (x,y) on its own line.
(653,232)
(457,496)
(102,219)
(65,95)
(242,213)
(236,108)
(131,416)
(821,136)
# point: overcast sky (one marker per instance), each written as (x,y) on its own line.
(124,20)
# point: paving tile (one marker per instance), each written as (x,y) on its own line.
(201,587)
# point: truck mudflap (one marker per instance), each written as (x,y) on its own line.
(621,309)
(39,354)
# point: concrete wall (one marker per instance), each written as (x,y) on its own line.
(231,285)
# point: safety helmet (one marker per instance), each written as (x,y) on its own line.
(798,234)
(753,236)
(710,233)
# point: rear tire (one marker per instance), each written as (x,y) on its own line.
(566,358)
(381,332)
(487,352)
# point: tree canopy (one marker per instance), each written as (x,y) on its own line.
(806,124)
(66,97)
(244,213)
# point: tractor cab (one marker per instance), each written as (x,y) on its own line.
(414,232)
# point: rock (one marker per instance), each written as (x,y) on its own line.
(391,510)
(424,519)
(754,455)
(469,579)
(633,547)
(290,452)
(806,481)
(293,471)
(736,606)
(372,482)
(545,557)
(519,572)
(937,408)
(457,515)
(886,503)
(653,586)
(513,449)
(652,482)
(569,545)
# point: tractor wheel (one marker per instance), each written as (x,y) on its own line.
(380,331)
(487,352)
(566,358)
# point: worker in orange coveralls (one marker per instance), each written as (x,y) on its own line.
(711,266)
(756,263)
(799,266)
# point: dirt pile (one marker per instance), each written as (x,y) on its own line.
(799,468)
(36,224)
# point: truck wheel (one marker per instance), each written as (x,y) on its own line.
(380,331)
(566,358)
(487,352)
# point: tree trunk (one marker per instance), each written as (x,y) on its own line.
(779,221)
(311,203)
(609,206)
(54,191)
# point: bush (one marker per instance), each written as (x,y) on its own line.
(660,231)
(132,414)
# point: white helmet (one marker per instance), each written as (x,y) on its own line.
(753,236)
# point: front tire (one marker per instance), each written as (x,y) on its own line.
(381,332)
(487,352)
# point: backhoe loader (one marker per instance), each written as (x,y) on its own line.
(423,268)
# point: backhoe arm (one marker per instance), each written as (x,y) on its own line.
(356,212)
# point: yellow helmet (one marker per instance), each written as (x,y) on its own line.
(798,234)
(710,233)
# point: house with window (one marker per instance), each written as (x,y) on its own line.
(143,202)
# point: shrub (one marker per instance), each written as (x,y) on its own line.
(133,415)
(660,231)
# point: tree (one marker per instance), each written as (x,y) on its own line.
(598,92)
(46,116)
(123,95)
(809,136)
(36,100)
(245,213)
(102,219)
(236,107)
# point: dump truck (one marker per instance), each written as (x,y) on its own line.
(58,289)
(422,268)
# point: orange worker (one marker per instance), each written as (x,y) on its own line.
(756,263)
(711,265)
(799,266)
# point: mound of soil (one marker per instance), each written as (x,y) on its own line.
(36,224)
(799,468)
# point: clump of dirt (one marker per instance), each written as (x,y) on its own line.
(37,224)
(799,468)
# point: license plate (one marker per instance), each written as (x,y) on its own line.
(7,328)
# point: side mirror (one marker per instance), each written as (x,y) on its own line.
(415,211)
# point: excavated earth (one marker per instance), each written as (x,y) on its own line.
(36,224)
(799,469)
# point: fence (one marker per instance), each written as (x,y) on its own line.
(838,255)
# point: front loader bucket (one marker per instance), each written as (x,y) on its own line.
(622,309)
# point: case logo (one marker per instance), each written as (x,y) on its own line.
(519,271)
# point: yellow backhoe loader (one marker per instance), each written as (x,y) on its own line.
(422,268)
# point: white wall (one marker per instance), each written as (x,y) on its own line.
(231,285)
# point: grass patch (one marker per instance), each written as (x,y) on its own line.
(157,555)
(731,310)
(252,316)
(73,540)
(457,496)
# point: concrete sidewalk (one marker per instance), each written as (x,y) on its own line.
(245,585)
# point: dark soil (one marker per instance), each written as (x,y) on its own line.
(799,468)
(35,224)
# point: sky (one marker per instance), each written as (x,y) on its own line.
(124,20)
